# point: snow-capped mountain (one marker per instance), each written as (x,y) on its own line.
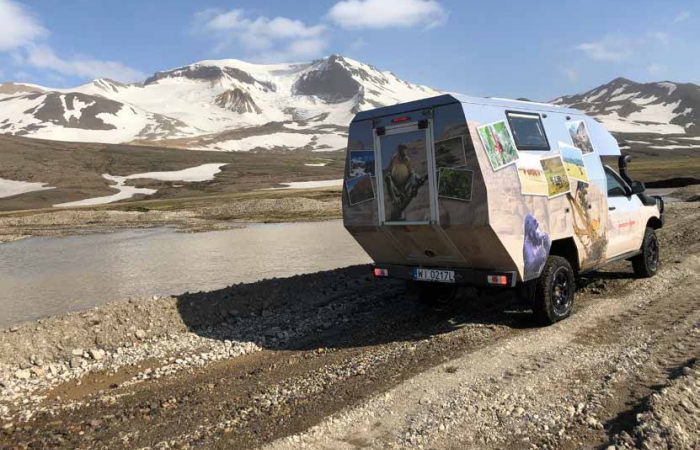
(625,106)
(217,105)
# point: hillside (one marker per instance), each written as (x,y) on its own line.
(625,106)
(227,105)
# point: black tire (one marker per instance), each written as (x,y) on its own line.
(554,291)
(435,295)
(646,264)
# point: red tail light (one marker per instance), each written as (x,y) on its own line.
(500,280)
(381,273)
(400,119)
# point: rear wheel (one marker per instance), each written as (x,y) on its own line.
(646,264)
(435,295)
(554,291)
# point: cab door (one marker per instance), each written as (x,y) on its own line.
(620,223)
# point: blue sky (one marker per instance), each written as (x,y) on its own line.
(538,49)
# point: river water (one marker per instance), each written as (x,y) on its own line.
(49,276)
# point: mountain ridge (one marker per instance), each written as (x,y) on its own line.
(218,104)
(211,98)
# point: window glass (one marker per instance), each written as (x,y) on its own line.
(528,131)
(615,188)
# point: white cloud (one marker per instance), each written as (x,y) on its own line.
(610,48)
(660,36)
(17,26)
(682,17)
(277,39)
(43,57)
(657,69)
(23,37)
(357,14)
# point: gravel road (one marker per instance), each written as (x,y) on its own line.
(338,360)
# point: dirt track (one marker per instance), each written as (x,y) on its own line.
(339,360)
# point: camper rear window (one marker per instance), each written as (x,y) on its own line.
(528,131)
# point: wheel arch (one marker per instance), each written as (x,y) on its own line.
(654,223)
(566,248)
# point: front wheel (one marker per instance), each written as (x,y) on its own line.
(554,291)
(646,264)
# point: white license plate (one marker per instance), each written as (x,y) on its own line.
(440,276)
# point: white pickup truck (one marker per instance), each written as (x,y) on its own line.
(455,190)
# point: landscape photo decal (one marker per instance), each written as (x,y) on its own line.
(573,162)
(499,145)
(361,163)
(555,173)
(579,134)
(455,183)
(360,189)
(531,175)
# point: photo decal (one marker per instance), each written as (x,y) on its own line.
(555,173)
(499,145)
(531,175)
(579,135)
(455,183)
(405,176)
(361,163)
(536,246)
(360,189)
(573,162)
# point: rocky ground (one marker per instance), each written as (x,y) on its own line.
(338,360)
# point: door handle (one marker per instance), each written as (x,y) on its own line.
(611,208)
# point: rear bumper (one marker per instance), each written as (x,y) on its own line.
(469,277)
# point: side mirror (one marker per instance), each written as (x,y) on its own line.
(637,187)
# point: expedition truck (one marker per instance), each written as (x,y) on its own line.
(455,190)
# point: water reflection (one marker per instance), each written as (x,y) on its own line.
(46,276)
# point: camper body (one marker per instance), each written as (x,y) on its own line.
(457,190)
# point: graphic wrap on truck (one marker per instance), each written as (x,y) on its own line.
(458,193)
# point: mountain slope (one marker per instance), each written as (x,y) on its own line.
(625,106)
(213,105)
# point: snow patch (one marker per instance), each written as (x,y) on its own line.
(310,184)
(204,172)
(670,86)
(10,188)
(316,164)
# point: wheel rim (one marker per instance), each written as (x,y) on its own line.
(561,292)
(652,254)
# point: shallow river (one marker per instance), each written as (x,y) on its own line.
(48,276)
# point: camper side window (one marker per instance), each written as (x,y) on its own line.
(528,131)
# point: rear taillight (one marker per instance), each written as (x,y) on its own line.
(499,280)
(381,273)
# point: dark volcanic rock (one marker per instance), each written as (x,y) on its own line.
(237,101)
(204,73)
(52,110)
(330,80)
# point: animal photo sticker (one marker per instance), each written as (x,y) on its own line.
(531,175)
(499,145)
(555,173)
(360,189)
(573,162)
(361,163)
(536,246)
(404,158)
(579,134)
(455,183)
(450,152)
